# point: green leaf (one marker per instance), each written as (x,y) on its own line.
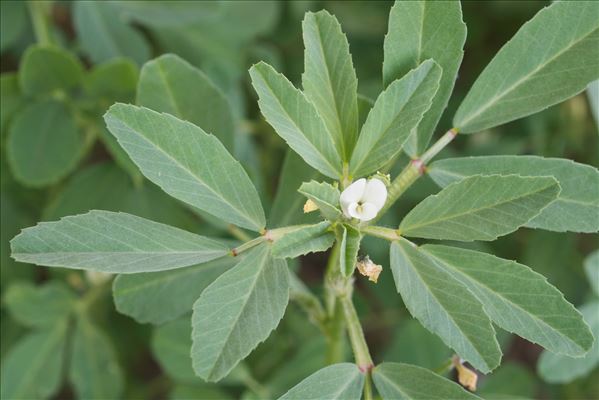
(14,217)
(511,381)
(114,80)
(187,163)
(46,69)
(593,96)
(329,79)
(33,367)
(104,180)
(287,207)
(365,104)
(308,356)
(552,57)
(480,208)
(304,240)
(555,368)
(113,242)
(237,312)
(195,391)
(172,13)
(336,382)
(415,29)
(159,297)
(517,299)
(119,155)
(325,196)
(43,144)
(296,120)
(170,346)
(11,98)
(350,245)
(575,209)
(40,306)
(591,268)
(397,111)
(13,23)
(105,35)
(170,84)
(413,344)
(408,382)
(94,370)
(444,306)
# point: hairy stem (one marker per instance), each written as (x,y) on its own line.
(356,335)
(335,323)
(358,342)
(439,145)
(414,170)
(247,245)
(381,232)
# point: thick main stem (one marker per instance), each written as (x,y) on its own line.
(358,343)
(356,335)
(335,324)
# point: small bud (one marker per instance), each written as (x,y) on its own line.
(310,206)
(367,268)
(386,178)
(466,376)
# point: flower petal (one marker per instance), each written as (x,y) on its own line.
(364,212)
(369,211)
(375,193)
(352,194)
(352,211)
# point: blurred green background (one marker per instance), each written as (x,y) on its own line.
(57,159)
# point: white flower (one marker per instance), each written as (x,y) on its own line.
(363,199)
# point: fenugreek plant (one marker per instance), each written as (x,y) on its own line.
(240,290)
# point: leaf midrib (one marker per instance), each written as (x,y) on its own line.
(392,383)
(263,262)
(560,198)
(316,115)
(432,294)
(476,210)
(497,294)
(331,90)
(515,85)
(190,172)
(392,122)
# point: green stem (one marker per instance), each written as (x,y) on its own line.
(439,145)
(358,343)
(273,235)
(381,232)
(335,323)
(311,305)
(92,295)
(39,18)
(400,184)
(237,233)
(247,245)
(356,335)
(368,387)
(414,170)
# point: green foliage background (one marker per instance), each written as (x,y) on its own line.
(57,159)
